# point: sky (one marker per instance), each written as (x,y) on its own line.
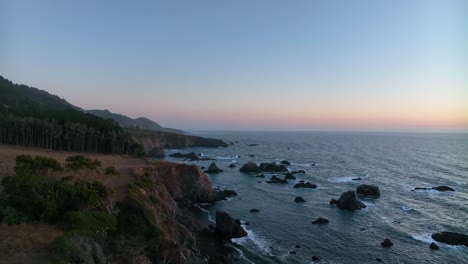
(248,64)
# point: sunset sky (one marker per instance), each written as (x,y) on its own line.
(248,64)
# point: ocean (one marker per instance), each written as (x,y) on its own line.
(395,162)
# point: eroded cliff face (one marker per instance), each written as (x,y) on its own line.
(155,192)
(155,142)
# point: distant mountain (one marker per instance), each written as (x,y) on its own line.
(141,122)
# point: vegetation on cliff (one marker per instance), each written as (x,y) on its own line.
(95,227)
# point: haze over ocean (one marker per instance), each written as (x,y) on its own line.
(248,65)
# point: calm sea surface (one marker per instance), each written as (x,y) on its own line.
(397,163)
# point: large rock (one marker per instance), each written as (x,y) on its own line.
(227,228)
(368,190)
(272,167)
(285,162)
(299,199)
(250,167)
(387,243)
(451,238)
(348,202)
(213,168)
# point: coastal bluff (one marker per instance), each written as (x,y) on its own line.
(154,142)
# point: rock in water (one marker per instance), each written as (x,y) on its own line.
(451,238)
(443,188)
(250,167)
(289,176)
(275,179)
(254,210)
(315,258)
(368,190)
(285,162)
(305,185)
(272,167)
(321,220)
(192,156)
(434,246)
(349,202)
(213,168)
(387,243)
(227,228)
(232,166)
(299,199)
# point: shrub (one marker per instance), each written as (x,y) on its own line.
(25,164)
(96,222)
(112,171)
(79,162)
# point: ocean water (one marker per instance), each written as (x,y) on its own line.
(397,163)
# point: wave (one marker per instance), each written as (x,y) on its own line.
(253,239)
(427,238)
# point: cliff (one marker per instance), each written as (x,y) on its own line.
(154,142)
(151,197)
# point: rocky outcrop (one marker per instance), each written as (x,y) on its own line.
(272,167)
(151,139)
(191,156)
(348,202)
(451,238)
(213,169)
(368,190)
(250,167)
(227,228)
(285,162)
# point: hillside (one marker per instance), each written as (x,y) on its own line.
(127,122)
(35,118)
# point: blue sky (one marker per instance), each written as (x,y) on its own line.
(213,64)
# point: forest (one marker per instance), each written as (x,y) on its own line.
(34,118)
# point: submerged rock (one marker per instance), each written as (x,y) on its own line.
(356,179)
(368,190)
(227,228)
(260,175)
(315,258)
(305,185)
(213,169)
(451,238)
(272,167)
(254,210)
(387,243)
(232,166)
(348,202)
(285,162)
(253,145)
(298,171)
(443,188)
(250,167)
(321,220)
(299,199)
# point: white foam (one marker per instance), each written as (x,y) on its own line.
(341,179)
(227,158)
(404,208)
(261,243)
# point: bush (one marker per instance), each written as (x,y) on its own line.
(112,171)
(79,246)
(135,223)
(25,164)
(79,162)
(99,223)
